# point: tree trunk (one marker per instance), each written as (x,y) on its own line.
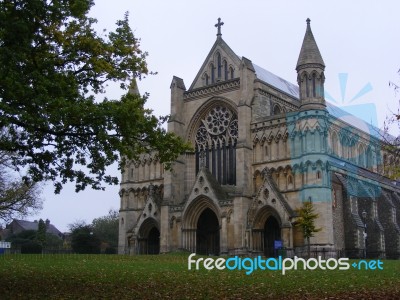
(308,248)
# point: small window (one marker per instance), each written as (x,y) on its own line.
(232,72)
(313,86)
(219,65)
(206,79)
(335,146)
(277,109)
(212,73)
(226,70)
(266,151)
(290,180)
(319,175)
(375,209)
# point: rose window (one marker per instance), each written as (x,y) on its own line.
(216,144)
(218,120)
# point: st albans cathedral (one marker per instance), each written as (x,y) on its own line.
(262,146)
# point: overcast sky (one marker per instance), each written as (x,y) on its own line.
(357,38)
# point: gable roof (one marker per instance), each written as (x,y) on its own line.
(224,46)
(219,192)
(28,225)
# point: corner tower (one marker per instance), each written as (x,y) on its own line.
(310,73)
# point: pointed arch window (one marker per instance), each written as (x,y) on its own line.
(335,146)
(219,65)
(231,72)
(277,109)
(361,155)
(226,69)
(344,148)
(370,162)
(314,92)
(206,79)
(290,181)
(215,148)
(212,73)
(307,87)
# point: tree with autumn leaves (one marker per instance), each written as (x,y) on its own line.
(306,220)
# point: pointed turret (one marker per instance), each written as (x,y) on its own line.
(133,88)
(310,73)
(309,53)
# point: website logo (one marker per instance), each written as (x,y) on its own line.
(251,264)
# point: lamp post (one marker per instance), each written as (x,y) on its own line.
(364,216)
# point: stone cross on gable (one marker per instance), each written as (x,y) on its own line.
(219,25)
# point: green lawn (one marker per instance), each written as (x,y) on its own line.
(167,277)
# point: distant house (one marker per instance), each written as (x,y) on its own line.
(4,232)
(17,226)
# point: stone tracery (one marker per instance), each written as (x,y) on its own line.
(216,144)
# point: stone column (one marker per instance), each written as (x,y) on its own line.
(164,229)
(287,235)
(223,236)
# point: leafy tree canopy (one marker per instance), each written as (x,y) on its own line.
(84,240)
(306,219)
(41,233)
(32,237)
(106,228)
(53,67)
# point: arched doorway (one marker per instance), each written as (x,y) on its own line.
(272,233)
(149,238)
(153,241)
(207,233)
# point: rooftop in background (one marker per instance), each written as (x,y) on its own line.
(277,82)
(17,226)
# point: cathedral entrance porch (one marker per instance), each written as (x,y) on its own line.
(266,232)
(149,238)
(201,227)
(207,233)
(272,233)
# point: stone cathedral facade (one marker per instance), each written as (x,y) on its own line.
(261,147)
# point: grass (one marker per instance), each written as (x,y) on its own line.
(167,277)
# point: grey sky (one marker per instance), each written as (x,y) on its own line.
(355,37)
